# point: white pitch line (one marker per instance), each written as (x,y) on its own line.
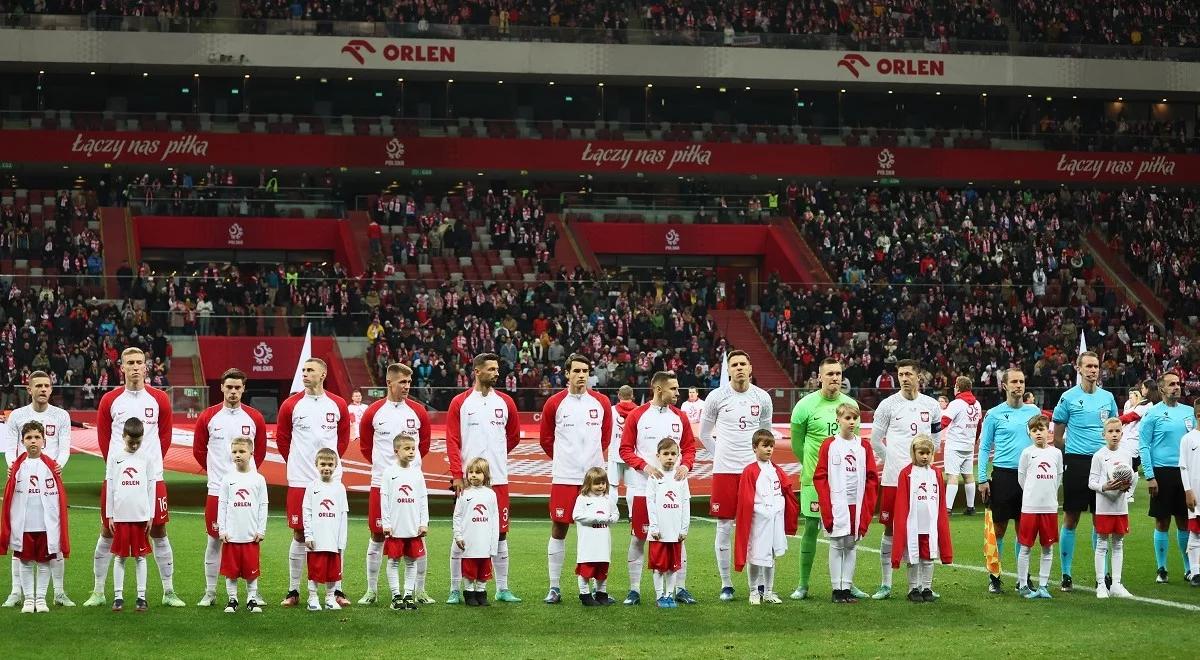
(980,569)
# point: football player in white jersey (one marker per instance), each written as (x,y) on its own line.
(57,423)
(898,420)
(731,416)
(693,408)
(960,419)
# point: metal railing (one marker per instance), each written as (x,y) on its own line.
(525,33)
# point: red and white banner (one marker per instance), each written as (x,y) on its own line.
(262,358)
(182,232)
(269,150)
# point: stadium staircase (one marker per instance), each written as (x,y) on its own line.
(741,333)
(116,235)
(799,247)
(1116,273)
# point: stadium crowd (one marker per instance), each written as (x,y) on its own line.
(1165,23)
(964,281)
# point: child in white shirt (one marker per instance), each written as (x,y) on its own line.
(404,511)
(1039,472)
(594,510)
(1112,507)
(668,505)
(477,531)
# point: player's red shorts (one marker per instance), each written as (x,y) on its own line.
(666,557)
(562,502)
(723,501)
(923,547)
(1111,524)
(477,569)
(639,517)
(1194,525)
(324,566)
(295,508)
(374,511)
(501,491)
(162,512)
(35,548)
(211,503)
(396,548)
(887,504)
(592,569)
(130,539)
(241,560)
(1038,526)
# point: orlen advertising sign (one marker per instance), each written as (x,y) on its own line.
(377,51)
(892,67)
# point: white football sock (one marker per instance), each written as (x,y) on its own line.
(118,572)
(969,489)
(770,579)
(43,581)
(885,560)
(252,590)
(410,575)
(27,576)
(393,575)
(16,576)
(500,563)
(165,561)
(752,577)
(337,586)
(926,570)
(231,588)
(374,561)
(422,571)
(835,562)
(680,577)
(951,493)
(100,562)
(455,567)
(849,560)
(723,546)
(140,576)
(1047,562)
(58,567)
(556,552)
(312,589)
(602,586)
(1118,557)
(212,564)
(296,556)
(914,575)
(1193,549)
(584,587)
(635,560)
(1100,555)
(657,579)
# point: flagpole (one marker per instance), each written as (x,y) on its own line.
(1082,350)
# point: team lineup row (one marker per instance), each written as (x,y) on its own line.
(754,505)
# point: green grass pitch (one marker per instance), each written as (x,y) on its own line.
(966,622)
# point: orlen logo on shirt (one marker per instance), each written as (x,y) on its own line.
(130,479)
(922,492)
(671,504)
(405,495)
(326,504)
(851,463)
(480,513)
(1044,467)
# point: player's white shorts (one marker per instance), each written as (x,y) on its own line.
(958,462)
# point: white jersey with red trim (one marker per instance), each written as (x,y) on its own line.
(130,486)
(222,425)
(57,423)
(356,410)
(150,405)
(668,507)
(381,423)
(325,514)
(477,522)
(242,506)
(693,409)
(481,426)
(592,515)
(964,424)
(897,421)
(308,423)
(729,422)
(645,427)
(574,428)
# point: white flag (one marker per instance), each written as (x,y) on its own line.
(724,369)
(1082,350)
(305,354)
